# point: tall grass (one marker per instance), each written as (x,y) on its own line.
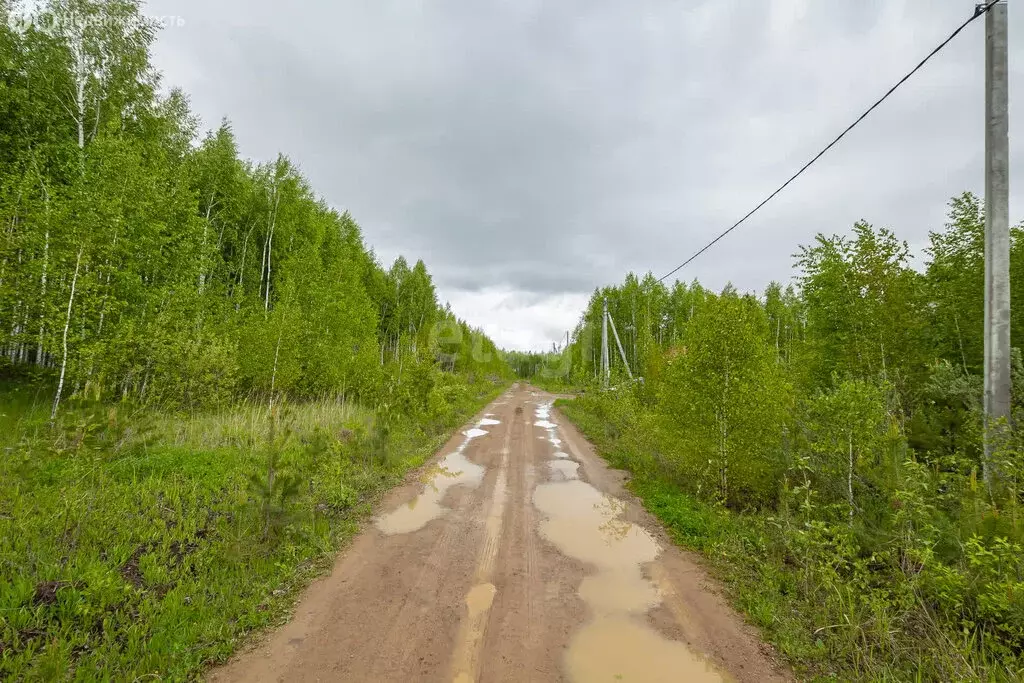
(834,613)
(237,425)
(137,544)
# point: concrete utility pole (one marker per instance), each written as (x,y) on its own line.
(606,371)
(997,229)
(618,343)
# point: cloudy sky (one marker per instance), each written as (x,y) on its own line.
(530,151)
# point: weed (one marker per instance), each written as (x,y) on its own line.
(836,613)
(144,544)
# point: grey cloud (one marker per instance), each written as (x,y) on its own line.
(552,147)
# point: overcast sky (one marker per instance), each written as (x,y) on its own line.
(529,151)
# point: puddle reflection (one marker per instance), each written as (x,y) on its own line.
(616,645)
(453,469)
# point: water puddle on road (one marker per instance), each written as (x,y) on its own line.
(466,659)
(625,649)
(479,598)
(616,644)
(564,470)
(543,413)
(453,469)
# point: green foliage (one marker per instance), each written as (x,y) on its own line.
(846,445)
(840,602)
(821,446)
(161,299)
(547,370)
(198,276)
(151,544)
(725,384)
(275,489)
(863,308)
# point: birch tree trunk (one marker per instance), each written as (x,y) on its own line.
(42,294)
(849,476)
(263,267)
(723,457)
(206,229)
(46,265)
(13,350)
(270,248)
(723,437)
(64,347)
(241,270)
(273,375)
(960,341)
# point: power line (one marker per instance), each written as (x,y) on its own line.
(979,10)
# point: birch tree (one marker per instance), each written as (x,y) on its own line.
(727,387)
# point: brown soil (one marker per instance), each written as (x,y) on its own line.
(483,576)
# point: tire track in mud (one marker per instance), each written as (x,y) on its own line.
(466,587)
(470,639)
(404,637)
(534,608)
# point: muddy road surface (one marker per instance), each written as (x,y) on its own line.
(515,554)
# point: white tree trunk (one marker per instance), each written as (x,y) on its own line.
(24,327)
(263,267)
(13,351)
(103,309)
(270,248)
(723,458)
(64,354)
(266,293)
(960,341)
(81,80)
(724,435)
(241,270)
(273,375)
(42,296)
(46,265)
(206,228)
(849,476)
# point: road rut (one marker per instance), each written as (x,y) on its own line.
(515,555)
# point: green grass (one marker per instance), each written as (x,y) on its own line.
(732,544)
(149,546)
(832,615)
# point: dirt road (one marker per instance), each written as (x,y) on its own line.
(515,555)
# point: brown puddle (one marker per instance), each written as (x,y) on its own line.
(453,469)
(479,598)
(617,644)
(626,649)
(564,470)
(469,642)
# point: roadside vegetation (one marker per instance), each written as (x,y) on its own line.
(547,370)
(821,445)
(206,376)
(138,544)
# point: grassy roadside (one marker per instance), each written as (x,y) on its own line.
(739,550)
(150,545)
